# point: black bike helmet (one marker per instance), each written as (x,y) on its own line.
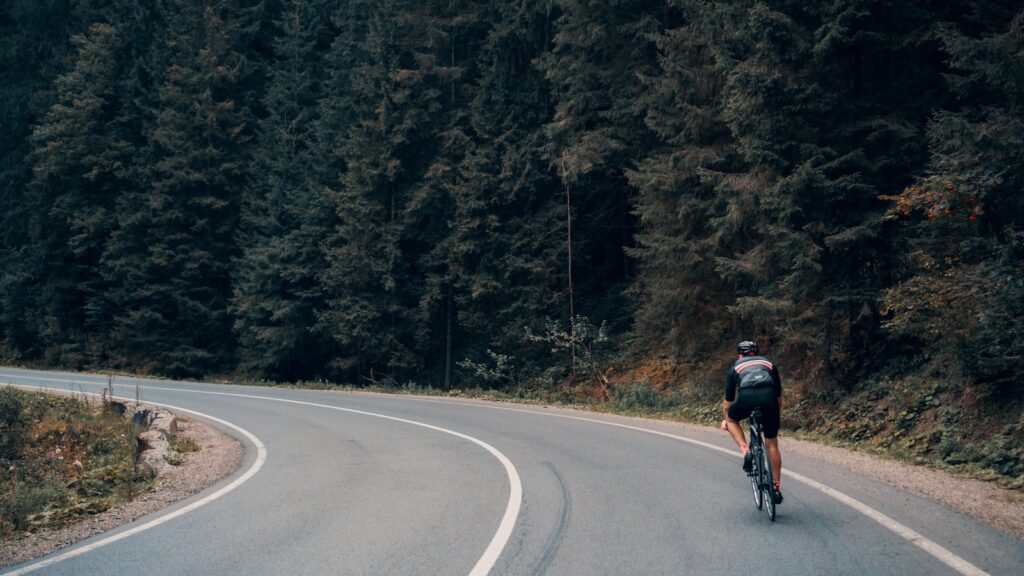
(747,347)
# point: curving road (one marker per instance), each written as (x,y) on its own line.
(339,483)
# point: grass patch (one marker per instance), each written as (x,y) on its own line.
(61,459)
(184,445)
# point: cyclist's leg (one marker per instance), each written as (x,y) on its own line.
(771,437)
(736,431)
(738,411)
(775,458)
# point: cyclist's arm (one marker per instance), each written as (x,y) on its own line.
(731,381)
(777,380)
(730,395)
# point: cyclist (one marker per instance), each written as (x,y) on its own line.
(756,381)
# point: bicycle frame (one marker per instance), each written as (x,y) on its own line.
(761,480)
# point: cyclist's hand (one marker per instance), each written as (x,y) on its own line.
(725,424)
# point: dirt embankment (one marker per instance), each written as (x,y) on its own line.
(987,502)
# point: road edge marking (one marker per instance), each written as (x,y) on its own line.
(931,547)
(497,544)
(494,549)
(261,458)
(934,549)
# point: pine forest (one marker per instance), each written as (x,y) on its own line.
(560,199)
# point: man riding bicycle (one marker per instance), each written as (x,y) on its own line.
(756,381)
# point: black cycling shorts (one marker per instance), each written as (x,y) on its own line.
(751,398)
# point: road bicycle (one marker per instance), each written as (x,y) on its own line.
(761,480)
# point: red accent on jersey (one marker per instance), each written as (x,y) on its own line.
(751,363)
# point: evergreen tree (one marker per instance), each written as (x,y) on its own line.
(798,223)
(80,156)
(446,62)
(34,46)
(372,295)
(767,202)
(276,290)
(961,295)
(502,250)
(681,300)
(600,50)
(169,258)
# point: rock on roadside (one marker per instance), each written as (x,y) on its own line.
(157,454)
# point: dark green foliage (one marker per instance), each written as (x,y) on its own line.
(383,190)
(81,153)
(963,286)
(34,43)
(285,212)
(498,265)
(599,54)
(169,258)
(782,124)
(371,298)
(680,297)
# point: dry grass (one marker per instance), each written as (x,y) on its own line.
(62,458)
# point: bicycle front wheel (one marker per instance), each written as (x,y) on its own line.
(755,475)
(768,488)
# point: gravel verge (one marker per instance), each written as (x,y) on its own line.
(999,507)
(219,455)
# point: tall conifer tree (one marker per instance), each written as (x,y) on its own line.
(176,239)
(284,216)
(680,299)
(600,50)
(81,153)
(503,247)
(372,297)
(961,293)
(34,48)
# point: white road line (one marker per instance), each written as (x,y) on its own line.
(498,542)
(935,550)
(261,458)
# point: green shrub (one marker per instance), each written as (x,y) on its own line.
(13,423)
(61,460)
(20,501)
(640,396)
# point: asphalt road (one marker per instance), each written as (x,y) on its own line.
(341,483)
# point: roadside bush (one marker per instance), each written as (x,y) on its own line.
(62,459)
(13,423)
(19,501)
(640,396)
